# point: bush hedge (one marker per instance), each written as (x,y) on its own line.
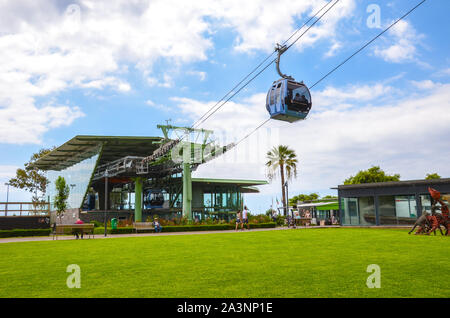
(128,230)
(184,228)
(25,232)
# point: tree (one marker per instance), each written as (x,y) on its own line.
(31,178)
(374,174)
(303,198)
(62,194)
(431,176)
(285,160)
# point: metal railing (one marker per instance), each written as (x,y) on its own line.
(24,209)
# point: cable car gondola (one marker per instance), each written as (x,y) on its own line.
(287,99)
(154,199)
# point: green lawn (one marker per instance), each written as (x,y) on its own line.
(285,263)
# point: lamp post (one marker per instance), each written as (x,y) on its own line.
(106,199)
(7,198)
(287,197)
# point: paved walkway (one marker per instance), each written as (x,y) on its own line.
(101,236)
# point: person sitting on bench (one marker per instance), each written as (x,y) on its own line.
(157,225)
(76,231)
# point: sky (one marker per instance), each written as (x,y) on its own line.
(122,67)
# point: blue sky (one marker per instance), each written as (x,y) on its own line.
(122,67)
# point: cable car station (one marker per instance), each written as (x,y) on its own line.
(138,177)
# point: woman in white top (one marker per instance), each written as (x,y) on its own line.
(245,219)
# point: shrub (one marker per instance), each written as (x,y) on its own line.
(280,220)
(96,223)
(25,232)
(185,228)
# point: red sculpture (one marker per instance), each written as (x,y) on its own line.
(442,218)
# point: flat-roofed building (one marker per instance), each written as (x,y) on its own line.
(388,203)
(135,188)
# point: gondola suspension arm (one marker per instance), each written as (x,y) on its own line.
(280,50)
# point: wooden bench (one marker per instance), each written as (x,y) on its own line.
(304,221)
(62,229)
(144,226)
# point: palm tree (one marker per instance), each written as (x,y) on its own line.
(286,159)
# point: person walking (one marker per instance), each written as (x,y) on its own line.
(238,218)
(245,218)
(308,217)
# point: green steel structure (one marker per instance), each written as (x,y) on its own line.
(145,176)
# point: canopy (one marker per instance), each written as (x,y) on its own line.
(331,206)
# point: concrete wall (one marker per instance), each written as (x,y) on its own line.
(68,217)
(24,222)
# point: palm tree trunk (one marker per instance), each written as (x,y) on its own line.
(283,198)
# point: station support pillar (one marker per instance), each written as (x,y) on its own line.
(138,183)
(187,191)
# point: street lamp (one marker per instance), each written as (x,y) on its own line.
(7,198)
(287,197)
(106,199)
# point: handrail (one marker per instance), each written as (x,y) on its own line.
(24,209)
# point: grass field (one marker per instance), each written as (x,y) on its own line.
(283,263)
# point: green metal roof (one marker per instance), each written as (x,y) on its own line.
(83,146)
(239,182)
(331,206)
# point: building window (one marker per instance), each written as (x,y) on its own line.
(350,211)
(77,178)
(405,209)
(367,211)
(386,210)
(400,209)
(358,211)
(425,200)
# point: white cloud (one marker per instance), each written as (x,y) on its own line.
(425,84)
(443,72)
(333,49)
(108,81)
(404,49)
(166,82)
(341,96)
(48,48)
(201,75)
(400,134)
(157,106)
(262,24)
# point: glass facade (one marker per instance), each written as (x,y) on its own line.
(367,211)
(77,178)
(349,212)
(392,210)
(358,211)
(405,209)
(220,200)
(397,210)
(425,200)
(386,210)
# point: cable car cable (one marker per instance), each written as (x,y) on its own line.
(342,63)
(365,45)
(249,81)
(259,65)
